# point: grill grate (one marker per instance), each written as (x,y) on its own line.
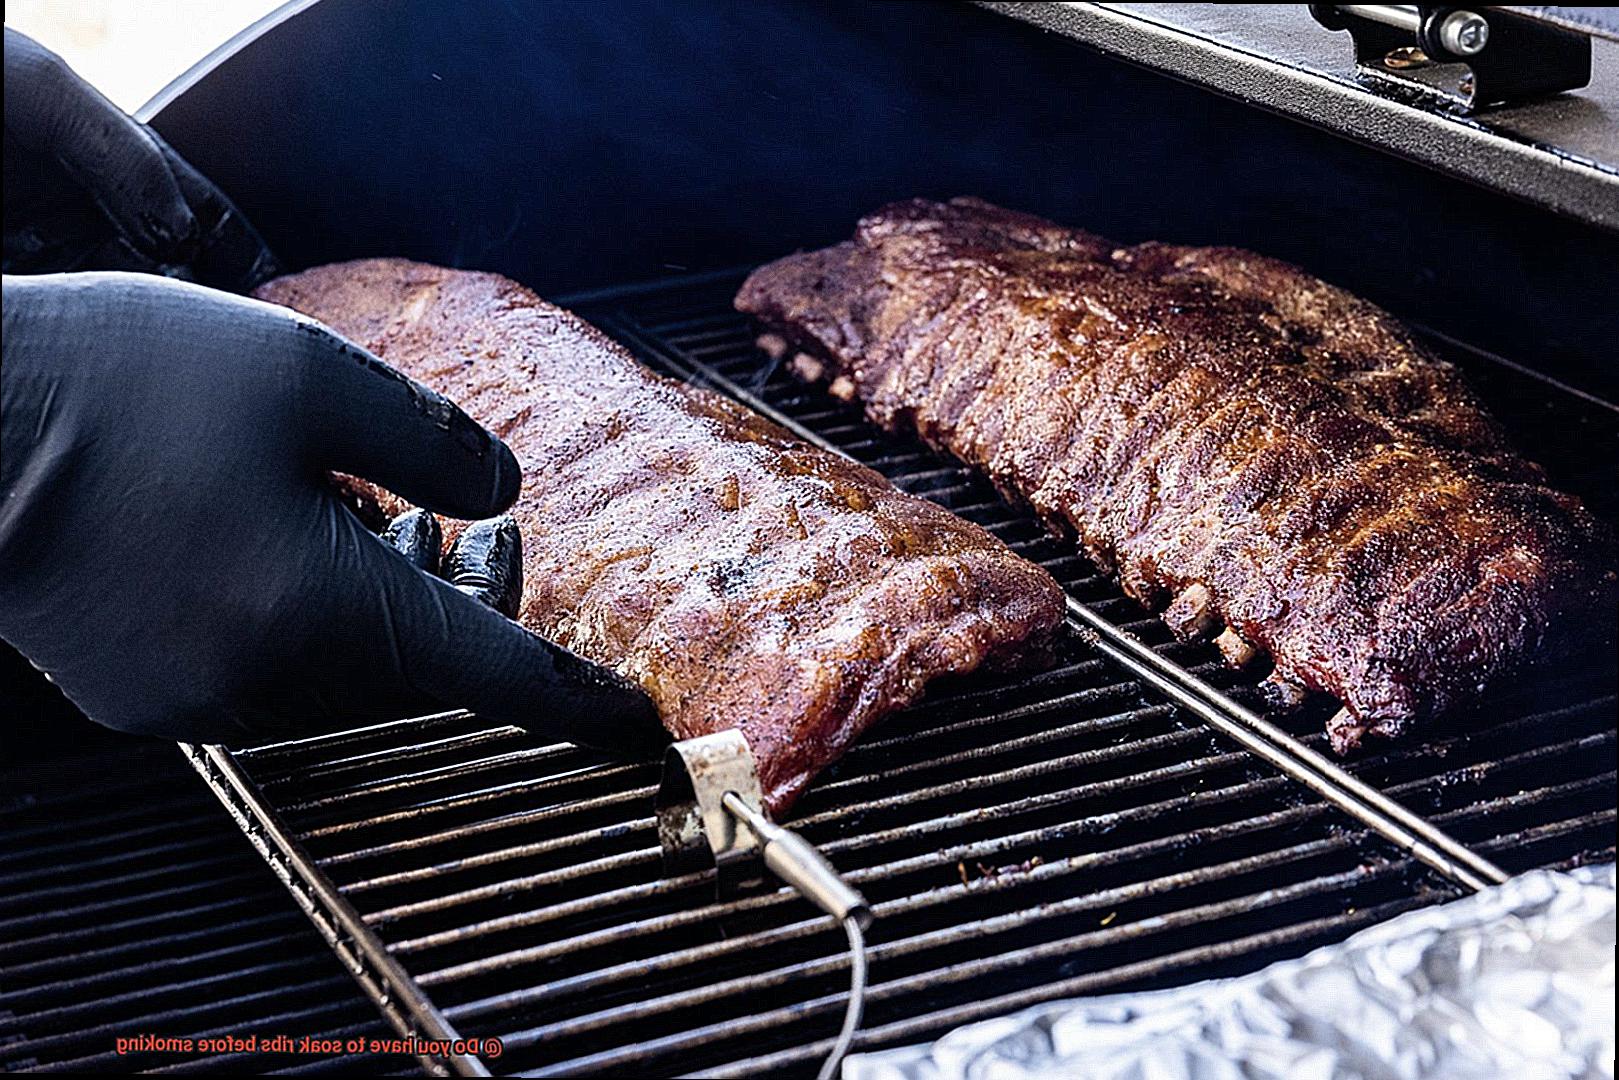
(1021,838)
(152,918)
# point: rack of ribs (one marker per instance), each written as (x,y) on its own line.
(1256,454)
(742,577)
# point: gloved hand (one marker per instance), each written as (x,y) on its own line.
(485,562)
(88,188)
(172,552)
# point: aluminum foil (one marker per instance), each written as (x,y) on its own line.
(1516,981)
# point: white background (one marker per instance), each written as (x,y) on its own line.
(131,49)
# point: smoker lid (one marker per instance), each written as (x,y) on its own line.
(1561,153)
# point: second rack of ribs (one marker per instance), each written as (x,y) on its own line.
(1253,451)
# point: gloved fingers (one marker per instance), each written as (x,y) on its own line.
(50,111)
(458,652)
(486,563)
(496,668)
(416,535)
(230,253)
(360,416)
(452,650)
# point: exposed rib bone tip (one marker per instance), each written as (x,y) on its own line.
(808,368)
(1238,651)
(1192,614)
(1282,694)
(1344,731)
(772,345)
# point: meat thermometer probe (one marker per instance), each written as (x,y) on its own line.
(710,816)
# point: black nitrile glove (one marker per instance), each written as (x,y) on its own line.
(88,188)
(172,552)
(485,562)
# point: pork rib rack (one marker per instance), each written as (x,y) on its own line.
(1256,453)
(744,578)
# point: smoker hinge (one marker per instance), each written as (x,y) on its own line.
(1474,57)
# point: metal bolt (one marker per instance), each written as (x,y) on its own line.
(1464,33)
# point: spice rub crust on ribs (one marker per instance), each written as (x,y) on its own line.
(1255,453)
(744,578)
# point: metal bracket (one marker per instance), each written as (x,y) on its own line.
(1476,57)
(695,830)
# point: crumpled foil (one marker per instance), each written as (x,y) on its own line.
(1516,981)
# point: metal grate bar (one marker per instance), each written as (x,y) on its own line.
(1065,948)
(172,968)
(63,962)
(333,984)
(607,896)
(49,845)
(120,884)
(1145,973)
(44,923)
(950,938)
(234,953)
(367,958)
(120,856)
(1043,874)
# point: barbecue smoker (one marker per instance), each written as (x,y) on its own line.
(1128,818)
